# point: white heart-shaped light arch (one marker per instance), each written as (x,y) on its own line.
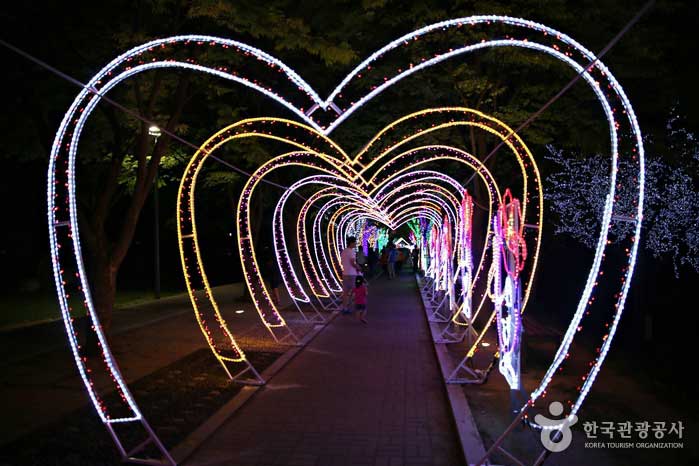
(62,207)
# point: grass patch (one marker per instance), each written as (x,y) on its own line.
(175,400)
(26,309)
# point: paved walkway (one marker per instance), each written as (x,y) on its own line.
(357,395)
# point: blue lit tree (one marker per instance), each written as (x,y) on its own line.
(576,193)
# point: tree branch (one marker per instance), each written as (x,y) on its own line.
(147,175)
(104,201)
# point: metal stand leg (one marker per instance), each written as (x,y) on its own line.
(130,455)
(440,312)
(454,333)
(256,377)
(317,316)
(464,373)
(256,380)
(289,335)
(497,445)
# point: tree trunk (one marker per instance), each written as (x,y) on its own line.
(108,255)
(103,294)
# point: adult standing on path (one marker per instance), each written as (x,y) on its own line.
(416,259)
(361,261)
(350,270)
(392,256)
(384,260)
(372,259)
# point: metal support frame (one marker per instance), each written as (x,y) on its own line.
(426,287)
(333,303)
(441,311)
(465,373)
(316,318)
(256,377)
(455,333)
(282,340)
(130,455)
(497,445)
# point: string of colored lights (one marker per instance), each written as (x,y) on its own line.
(336,249)
(509,253)
(493,194)
(248,192)
(460,156)
(349,195)
(62,206)
(346,220)
(319,280)
(289,276)
(477,119)
(465,257)
(244,129)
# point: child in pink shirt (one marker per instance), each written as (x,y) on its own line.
(360,293)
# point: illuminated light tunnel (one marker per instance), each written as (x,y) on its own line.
(442,236)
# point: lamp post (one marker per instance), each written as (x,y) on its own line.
(154,131)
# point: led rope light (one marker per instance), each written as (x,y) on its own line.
(249,128)
(301,219)
(465,258)
(428,191)
(509,252)
(493,194)
(430,153)
(61,185)
(325,265)
(320,285)
(275,243)
(292,283)
(260,295)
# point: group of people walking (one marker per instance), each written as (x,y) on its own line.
(356,266)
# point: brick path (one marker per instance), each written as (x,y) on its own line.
(357,395)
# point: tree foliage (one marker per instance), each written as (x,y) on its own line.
(578,189)
(322,40)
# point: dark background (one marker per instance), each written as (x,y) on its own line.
(654,61)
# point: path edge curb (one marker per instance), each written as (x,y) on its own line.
(469,437)
(196,439)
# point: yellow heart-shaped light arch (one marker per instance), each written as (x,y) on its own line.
(365,173)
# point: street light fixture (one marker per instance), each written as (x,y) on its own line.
(155,132)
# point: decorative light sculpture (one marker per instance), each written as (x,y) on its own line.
(358,88)
(509,253)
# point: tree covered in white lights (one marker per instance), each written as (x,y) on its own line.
(576,193)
